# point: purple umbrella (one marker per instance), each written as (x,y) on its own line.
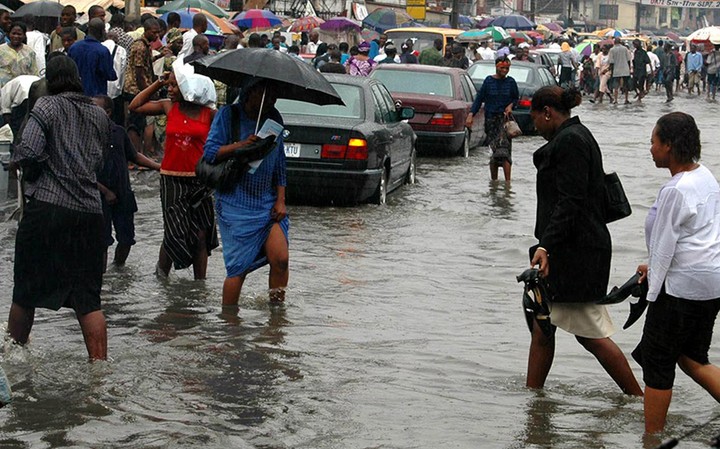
(339,25)
(484,23)
(554,26)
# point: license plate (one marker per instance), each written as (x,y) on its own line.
(292,149)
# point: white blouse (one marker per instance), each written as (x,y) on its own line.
(682,233)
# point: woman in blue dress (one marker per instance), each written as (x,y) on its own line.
(252,217)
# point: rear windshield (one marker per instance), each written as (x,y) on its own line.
(351,95)
(521,75)
(421,40)
(439,84)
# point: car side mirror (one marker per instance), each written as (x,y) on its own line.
(407,112)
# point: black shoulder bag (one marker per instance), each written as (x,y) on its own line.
(224,175)
(617,205)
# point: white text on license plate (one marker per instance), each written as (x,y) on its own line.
(292,149)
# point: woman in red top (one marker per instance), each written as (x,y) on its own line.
(188,217)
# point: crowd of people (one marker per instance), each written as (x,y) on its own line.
(74,140)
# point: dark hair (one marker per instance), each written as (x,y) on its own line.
(70,32)
(679,130)
(93,9)
(199,19)
(118,19)
(107,102)
(254,40)
(63,76)
(353,50)
(173,18)
(69,7)
(294,49)
(344,47)
(502,59)
(321,49)
(3,12)
(145,16)
(152,22)
(335,55)
(19,24)
(562,100)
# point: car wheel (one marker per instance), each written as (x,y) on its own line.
(465,147)
(380,195)
(410,177)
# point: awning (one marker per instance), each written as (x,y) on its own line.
(84,5)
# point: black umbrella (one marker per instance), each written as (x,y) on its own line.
(39,9)
(299,80)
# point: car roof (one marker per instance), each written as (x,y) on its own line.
(349,79)
(548,50)
(418,68)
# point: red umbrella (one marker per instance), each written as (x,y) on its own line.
(519,37)
(307,23)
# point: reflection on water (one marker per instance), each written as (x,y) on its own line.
(501,198)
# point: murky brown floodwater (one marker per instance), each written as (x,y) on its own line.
(403,328)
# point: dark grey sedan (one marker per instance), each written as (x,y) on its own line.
(348,154)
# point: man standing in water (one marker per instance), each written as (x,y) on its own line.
(619,59)
(668,67)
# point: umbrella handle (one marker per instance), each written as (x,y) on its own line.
(262,103)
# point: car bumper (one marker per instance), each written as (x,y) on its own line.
(311,185)
(446,143)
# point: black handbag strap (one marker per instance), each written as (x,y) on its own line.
(235,123)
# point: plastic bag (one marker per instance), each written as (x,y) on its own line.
(198,89)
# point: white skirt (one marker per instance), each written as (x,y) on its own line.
(587,320)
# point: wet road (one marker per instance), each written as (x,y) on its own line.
(403,327)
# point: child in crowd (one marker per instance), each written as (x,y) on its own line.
(119,204)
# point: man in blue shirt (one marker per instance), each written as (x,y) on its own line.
(693,66)
(94,61)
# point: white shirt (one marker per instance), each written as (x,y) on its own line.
(654,62)
(311,47)
(682,232)
(486,53)
(15,92)
(187,47)
(115,88)
(38,42)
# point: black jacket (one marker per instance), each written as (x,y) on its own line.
(570,221)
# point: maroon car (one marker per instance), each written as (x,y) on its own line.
(442,97)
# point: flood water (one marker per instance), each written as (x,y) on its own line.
(402,328)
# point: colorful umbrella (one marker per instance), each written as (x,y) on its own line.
(711,34)
(465,22)
(186,18)
(514,21)
(498,34)
(585,47)
(368,35)
(383,19)
(256,18)
(474,36)
(535,35)
(207,5)
(307,23)
(340,25)
(613,33)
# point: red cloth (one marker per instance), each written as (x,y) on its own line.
(184,141)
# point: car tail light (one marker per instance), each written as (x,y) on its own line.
(356,149)
(525,102)
(440,119)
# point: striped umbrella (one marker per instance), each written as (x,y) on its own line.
(498,33)
(256,18)
(307,23)
(207,5)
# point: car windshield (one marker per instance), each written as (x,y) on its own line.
(351,96)
(521,75)
(413,82)
(421,40)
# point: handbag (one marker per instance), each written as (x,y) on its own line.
(224,175)
(512,129)
(617,205)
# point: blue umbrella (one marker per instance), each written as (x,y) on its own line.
(186,18)
(514,21)
(383,19)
